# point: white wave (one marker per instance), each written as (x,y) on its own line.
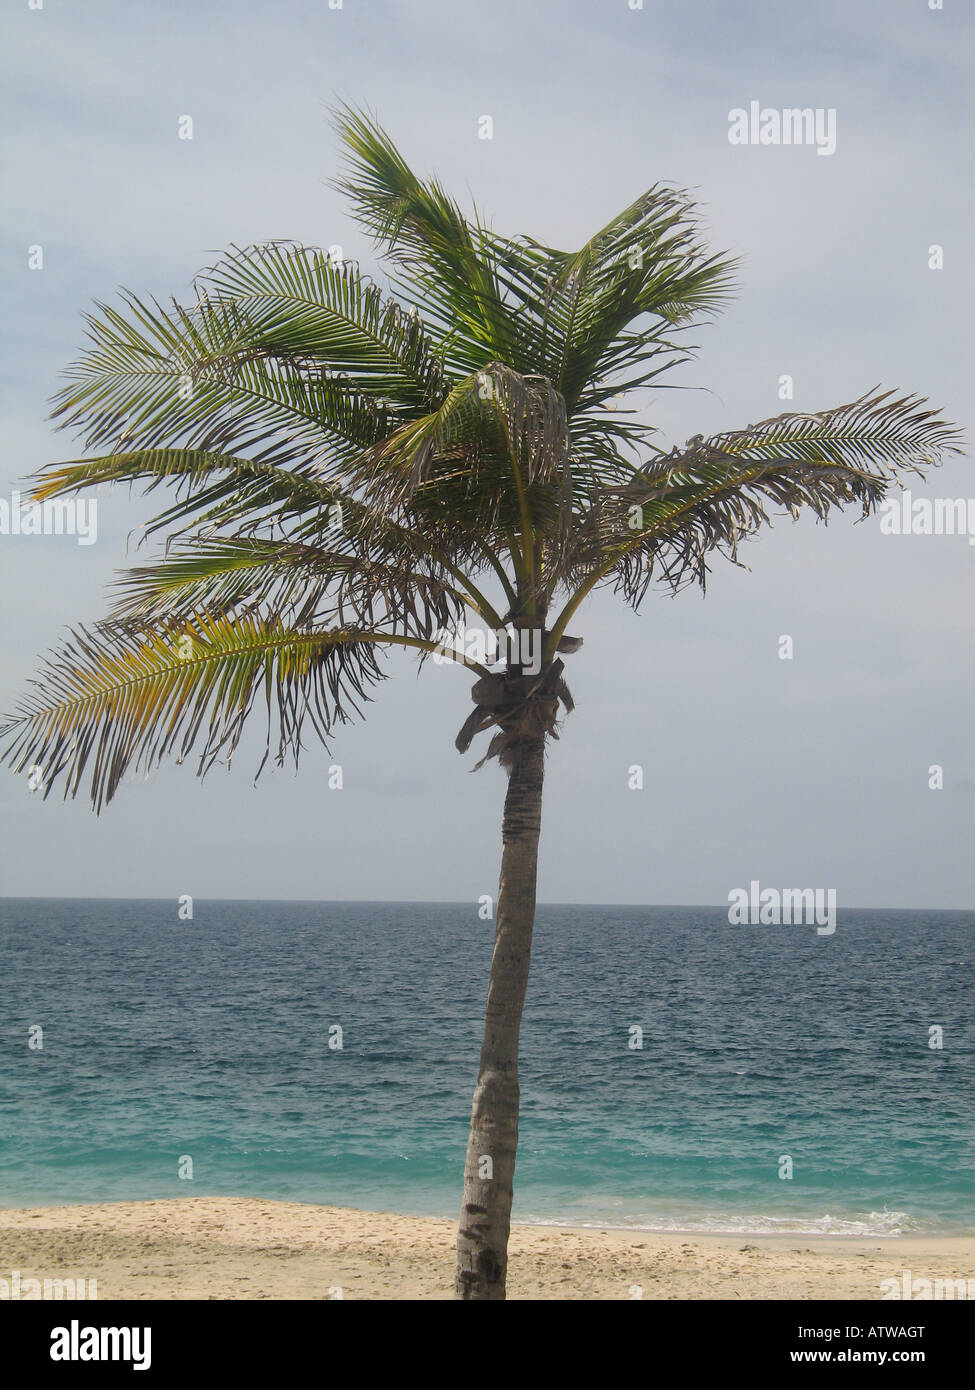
(875,1223)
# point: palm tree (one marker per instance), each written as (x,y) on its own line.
(349,474)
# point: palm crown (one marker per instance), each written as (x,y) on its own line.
(349,474)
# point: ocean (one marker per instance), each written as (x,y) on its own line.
(786,1081)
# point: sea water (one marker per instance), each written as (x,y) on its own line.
(677,1073)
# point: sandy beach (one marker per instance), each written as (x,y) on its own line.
(240,1248)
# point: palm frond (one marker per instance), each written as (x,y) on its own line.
(176,380)
(297,304)
(302,584)
(494,415)
(649,262)
(681,508)
(123,696)
(285,356)
(438,252)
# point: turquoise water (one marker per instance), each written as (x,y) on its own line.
(209,1038)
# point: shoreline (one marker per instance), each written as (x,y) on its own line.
(254,1248)
(581,1226)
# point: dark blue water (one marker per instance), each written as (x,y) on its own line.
(209,1039)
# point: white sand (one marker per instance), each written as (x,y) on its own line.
(241,1247)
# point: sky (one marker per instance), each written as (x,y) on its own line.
(809,772)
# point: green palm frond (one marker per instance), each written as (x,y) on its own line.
(422,231)
(649,262)
(223,490)
(304,584)
(879,429)
(212,490)
(496,418)
(225,376)
(181,380)
(123,696)
(687,505)
(299,305)
(556,313)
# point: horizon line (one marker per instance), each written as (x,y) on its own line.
(424,902)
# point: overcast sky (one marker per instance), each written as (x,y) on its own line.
(810,772)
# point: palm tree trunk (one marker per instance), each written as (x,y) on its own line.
(485,1218)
